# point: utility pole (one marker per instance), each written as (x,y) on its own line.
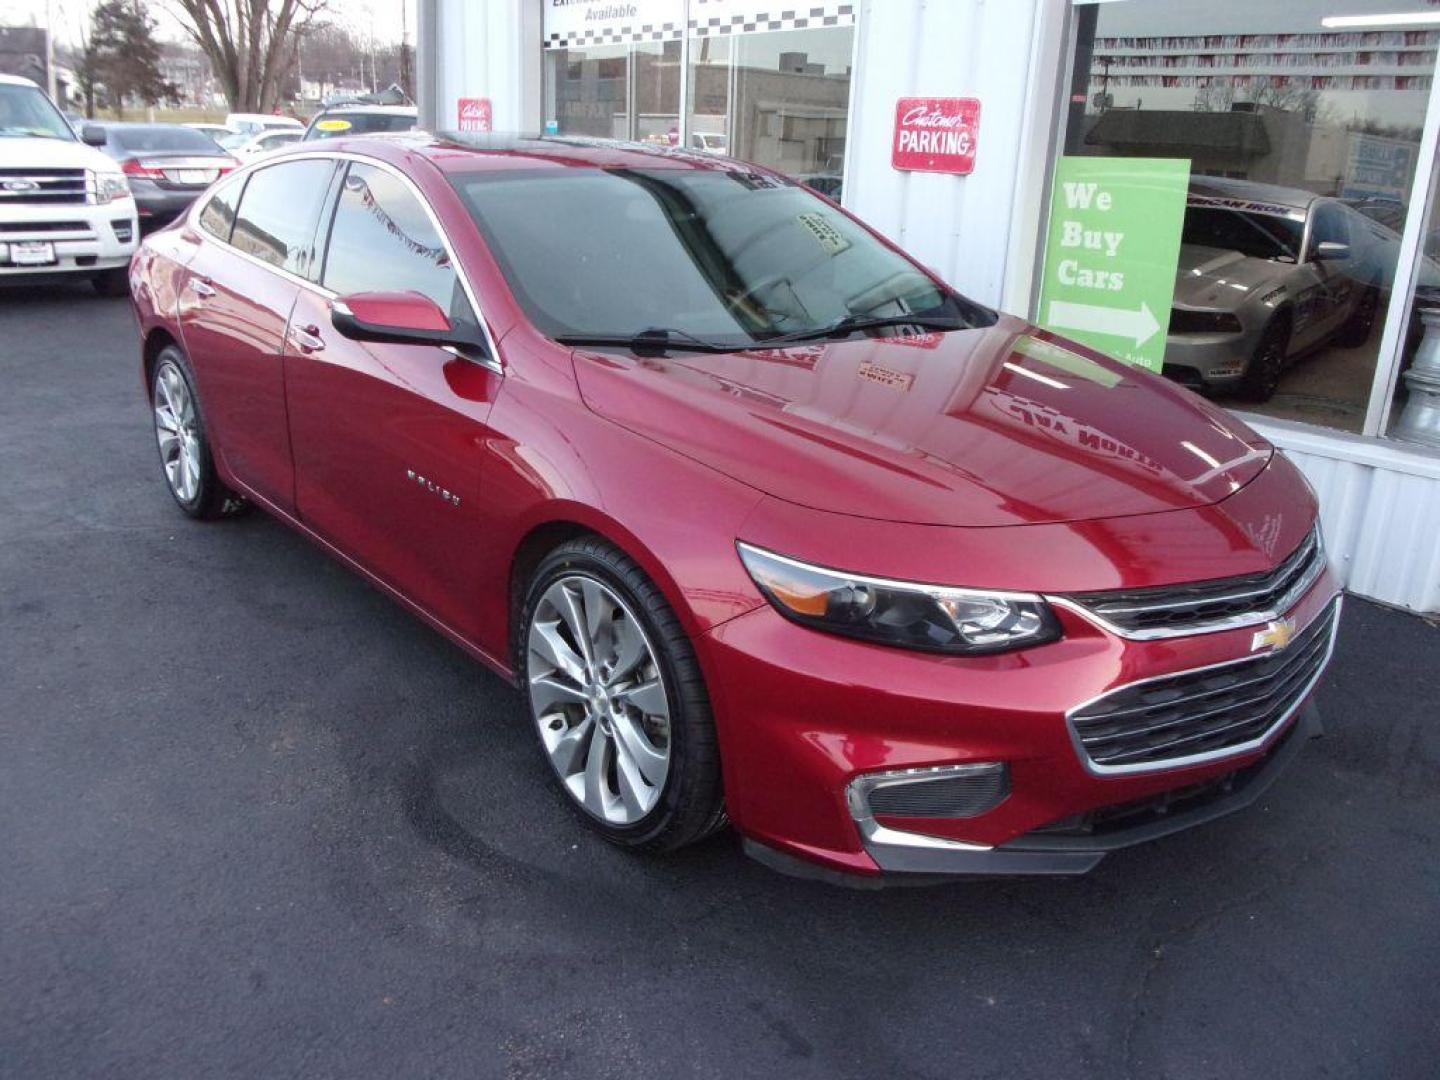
(407,82)
(50,50)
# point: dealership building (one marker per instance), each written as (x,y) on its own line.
(1093,166)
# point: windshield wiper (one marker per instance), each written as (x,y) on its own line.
(851,324)
(653,342)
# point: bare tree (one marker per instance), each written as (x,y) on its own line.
(251,44)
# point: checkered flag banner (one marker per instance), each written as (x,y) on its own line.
(712,18)
(577,24)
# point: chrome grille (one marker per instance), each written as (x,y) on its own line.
(1207,713)
(1198,607)
(23,186)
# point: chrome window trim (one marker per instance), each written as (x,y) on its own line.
(1208,756)
(1283,604)
(193,220)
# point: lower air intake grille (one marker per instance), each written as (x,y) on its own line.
(943,792)
(1166,722)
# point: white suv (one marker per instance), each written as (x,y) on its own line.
(65,208)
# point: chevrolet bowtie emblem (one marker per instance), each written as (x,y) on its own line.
(1275,635)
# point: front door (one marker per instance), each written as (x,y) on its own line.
(388,439)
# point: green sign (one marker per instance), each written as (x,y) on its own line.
(1111,254)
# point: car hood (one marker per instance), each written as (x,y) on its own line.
(25,153)
(998,426)
(1209,277)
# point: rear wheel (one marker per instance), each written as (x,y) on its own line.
(114,282)
(185,458)
(1262,374)
(618,701)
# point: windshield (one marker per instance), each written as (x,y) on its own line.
(726,256)
(1261,236)
(162,137)
(25,111)
(358,123)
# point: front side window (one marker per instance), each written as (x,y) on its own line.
(277,214)
(725,255)
(382,240)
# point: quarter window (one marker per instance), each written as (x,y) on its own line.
(383,240)
(276,221)
(217,217)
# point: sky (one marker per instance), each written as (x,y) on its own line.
(378,17)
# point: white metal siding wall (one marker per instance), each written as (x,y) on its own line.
(996,50)
(484,48)
(1380,505)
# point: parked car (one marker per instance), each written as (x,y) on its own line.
(1267,273)
(168,165)
(265,142)
(254,123)
(215,131)
(65,208)
(768,523)
(349,120)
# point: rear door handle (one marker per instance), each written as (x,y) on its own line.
(202,287)
(307,339)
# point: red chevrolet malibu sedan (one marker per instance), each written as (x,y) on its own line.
(769,524)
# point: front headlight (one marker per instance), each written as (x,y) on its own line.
(109,186)
(935,618)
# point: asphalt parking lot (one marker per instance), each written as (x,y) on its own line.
(256,821)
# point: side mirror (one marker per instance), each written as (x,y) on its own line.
(1332,249)
(401,318)
(93,135)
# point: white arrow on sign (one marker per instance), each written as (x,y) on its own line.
(1121,322)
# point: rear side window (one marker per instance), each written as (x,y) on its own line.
(278,212)
(382,240)
(217,216)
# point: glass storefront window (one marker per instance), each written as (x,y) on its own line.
(1303,142)
(1415,408)
(625,91)
(779,99)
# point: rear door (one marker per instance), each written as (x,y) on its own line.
(235,309)
(388,439)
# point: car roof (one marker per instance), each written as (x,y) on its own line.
(453,152)
(1252,191)
(17,80)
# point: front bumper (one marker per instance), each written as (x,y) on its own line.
(1209,360)
(803,714)
(86,238)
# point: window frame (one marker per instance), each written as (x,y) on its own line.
(492,359)
(1425,186)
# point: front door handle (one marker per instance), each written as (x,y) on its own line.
(201,287)
(307,339)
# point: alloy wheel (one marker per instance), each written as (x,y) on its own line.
(599,699)
(175,430)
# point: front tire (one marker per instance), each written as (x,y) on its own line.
(618,701)
(1355,331)
(185,458)
(1262,374)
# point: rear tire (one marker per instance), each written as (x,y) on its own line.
(618,700)
(112,283)
(185,459)
(1262,374)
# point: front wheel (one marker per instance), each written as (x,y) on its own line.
(618,701)
(1262,374)
(1355,331)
